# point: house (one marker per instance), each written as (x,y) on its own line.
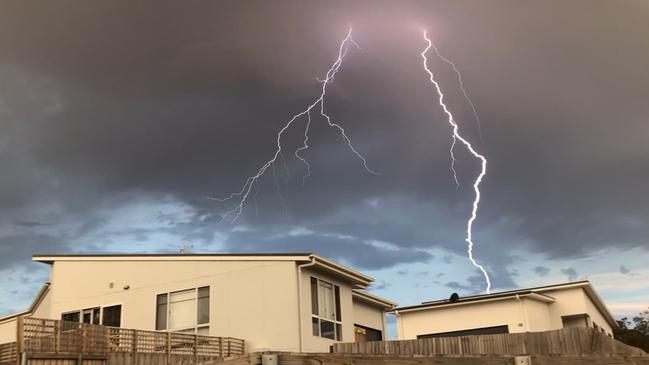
(283,302)
(538,309)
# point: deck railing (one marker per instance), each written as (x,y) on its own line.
(48,336)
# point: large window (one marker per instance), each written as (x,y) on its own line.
(325,309)
(184,311)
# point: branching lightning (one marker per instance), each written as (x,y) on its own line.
(483,163)
(253,180)
(461,82)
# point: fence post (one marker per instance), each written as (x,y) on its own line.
(195,349)
(20,339)
(134,348)
(57,336)
(168,348)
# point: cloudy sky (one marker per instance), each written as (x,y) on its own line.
(119,119)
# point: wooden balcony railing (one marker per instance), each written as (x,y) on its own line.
(48,336)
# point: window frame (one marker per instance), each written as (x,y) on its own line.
(315,317)
(121,313)
(101,313)
(196,326)
(95,315)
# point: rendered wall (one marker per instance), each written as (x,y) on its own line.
(575,301)
(8,331)
(313,343)
(252,300)
(462,317)
(597,317)
(368,315)
(526,315)
(538,317)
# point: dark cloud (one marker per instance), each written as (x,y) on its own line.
(624,270)
(109,106)
(541,271)
(570,273)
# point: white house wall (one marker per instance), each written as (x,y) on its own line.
(520,316)
(8,331)
(597,317)
(313,343)
(575,301)
(368,315)
(537,316)
(461,317)
(252,300)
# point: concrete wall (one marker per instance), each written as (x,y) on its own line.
(369,316)
(252,300)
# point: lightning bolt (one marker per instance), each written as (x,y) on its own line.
(483,163)
(253,180)
(461,82)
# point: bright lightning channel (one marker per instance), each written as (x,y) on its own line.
(483,164)
(461,82)
(253,180)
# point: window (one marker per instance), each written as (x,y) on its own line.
(161,311)
(112,316)
(69,320)
(70,317)
(364,334)
(325,310)
(184,311)
(203,316)
(90,316)
(469,332)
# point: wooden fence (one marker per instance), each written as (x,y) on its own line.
(42,338)
(8,353)
(365,359)
(567,342)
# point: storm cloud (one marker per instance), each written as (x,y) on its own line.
(117,120)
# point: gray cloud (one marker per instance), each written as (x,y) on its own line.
(624,270)
(185,102)
(570,273)
(541,271)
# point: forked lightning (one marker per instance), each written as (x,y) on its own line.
(243,194)
(483,163)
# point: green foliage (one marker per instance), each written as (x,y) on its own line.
(634,332)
